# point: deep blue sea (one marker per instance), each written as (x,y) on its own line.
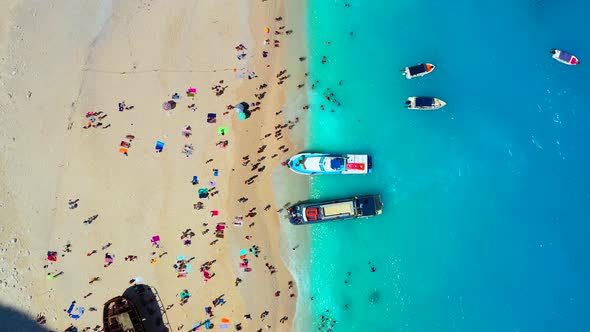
(486,217)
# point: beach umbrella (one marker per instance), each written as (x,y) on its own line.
(169,105)
(239,107)
(242,116)
(52,256)
(222,130)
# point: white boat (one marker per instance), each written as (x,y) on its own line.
(418,70)
(564,57)
(324,163)
(424,103)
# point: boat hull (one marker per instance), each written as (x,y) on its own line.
(120,314)
(359,207)
(324,163)
(415,103)
(418,70)
(565,58)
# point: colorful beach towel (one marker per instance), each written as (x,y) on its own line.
(191,92)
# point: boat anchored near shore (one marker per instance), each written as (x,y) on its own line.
(324,163)
(335,210)
(424,103)
(564,57)
(418,70)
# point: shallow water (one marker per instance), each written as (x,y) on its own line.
(485,218)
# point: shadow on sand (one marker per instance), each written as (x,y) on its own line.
(14,320)
(151,309)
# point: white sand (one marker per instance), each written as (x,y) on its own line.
(60,60)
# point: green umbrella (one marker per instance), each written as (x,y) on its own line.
(222,130)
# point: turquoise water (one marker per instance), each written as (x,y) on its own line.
(485,222)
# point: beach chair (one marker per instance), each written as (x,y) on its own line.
(195,180)
(211,118)
(125,144)
(216,172)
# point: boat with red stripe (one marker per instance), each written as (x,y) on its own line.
(418,70)
(324,163)
(564,57)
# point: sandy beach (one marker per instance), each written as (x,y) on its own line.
(90,208)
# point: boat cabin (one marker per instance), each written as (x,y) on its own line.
(424,102)
(418,69)
(312,214)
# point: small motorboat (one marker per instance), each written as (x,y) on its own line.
(424,103)
(564,57)
(418,70)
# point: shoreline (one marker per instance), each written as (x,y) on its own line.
(296,260)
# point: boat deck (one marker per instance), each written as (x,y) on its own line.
(338,209)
